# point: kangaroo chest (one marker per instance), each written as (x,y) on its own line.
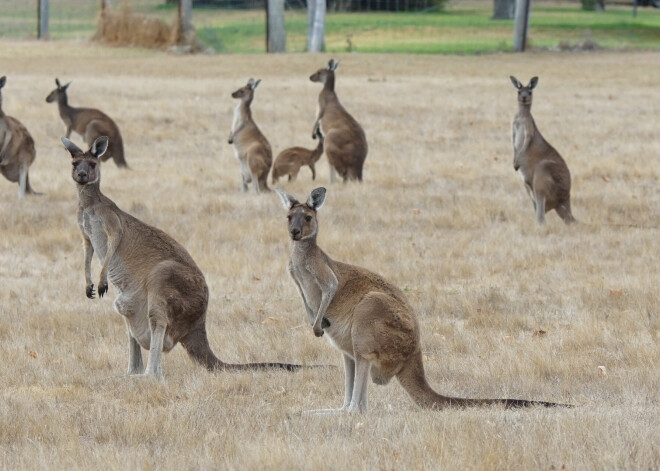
(239,117)
(309,287)
(92,226)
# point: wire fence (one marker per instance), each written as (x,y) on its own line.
(77,19)
(68,19)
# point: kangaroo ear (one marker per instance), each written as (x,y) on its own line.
(57,82)
(533,82)
(250,82)
(332,65)
(99,147)
(316,198)
(516,83)
(71,147)
(287,200)
(3,81)
(256,84)
(66,86)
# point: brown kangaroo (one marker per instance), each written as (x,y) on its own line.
(162,294)
(17,150)
(250,146)
(90,123)
(289,161)
(546,175)
(345,142)
(364,316)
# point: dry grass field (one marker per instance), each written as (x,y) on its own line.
(566,314)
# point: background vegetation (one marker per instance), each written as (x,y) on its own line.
(463,27)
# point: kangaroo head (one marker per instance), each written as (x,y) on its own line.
(524,93)
(86,168)
(323,74)
(59,91)
(302,216)
(246,93)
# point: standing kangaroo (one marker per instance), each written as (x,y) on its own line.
(345,142)
(546,176)
(90,123)
(250,146)
(289,161)
(366,317)
(162,294)
(17,150)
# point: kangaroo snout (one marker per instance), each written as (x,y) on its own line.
(295,234)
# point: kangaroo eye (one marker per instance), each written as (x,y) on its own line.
(92,165)
(308,218)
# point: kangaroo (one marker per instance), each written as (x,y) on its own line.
(345,142)
(289,161)
(17,150)
(250,146)
(545,173)
(89,123)
(364,316)
(162,294)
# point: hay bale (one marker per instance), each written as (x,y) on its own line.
(124,28)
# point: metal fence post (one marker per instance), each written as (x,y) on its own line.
(42,19)
(520,26)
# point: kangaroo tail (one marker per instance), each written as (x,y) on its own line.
(197,345)
(413,380)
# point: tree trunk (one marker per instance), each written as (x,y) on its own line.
(276,29)
(503,9)
(316,32)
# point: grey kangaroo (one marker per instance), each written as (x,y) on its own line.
(89,123)
(544,172)
(367,318)
(162,294)
(17,150)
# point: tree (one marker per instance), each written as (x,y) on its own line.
(316,28)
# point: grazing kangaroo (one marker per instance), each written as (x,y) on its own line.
(90,123)
(345,142)
(250,146)
(17,150)
(364,316)
(162,294)
(546,176)
(289,161)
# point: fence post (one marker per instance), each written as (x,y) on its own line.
(520,25)
(42,19)
(276,31)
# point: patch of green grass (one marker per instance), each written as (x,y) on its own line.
(461,30)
